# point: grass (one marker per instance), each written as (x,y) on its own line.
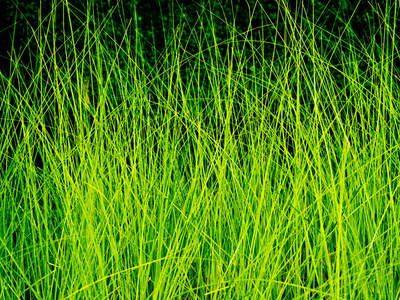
(263,166)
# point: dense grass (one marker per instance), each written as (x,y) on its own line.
(257,167)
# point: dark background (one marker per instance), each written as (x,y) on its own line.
(152,19)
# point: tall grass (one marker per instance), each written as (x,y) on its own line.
(229,172)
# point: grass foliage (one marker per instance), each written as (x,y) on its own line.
(256,167)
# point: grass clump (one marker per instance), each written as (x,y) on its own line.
(260,166)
